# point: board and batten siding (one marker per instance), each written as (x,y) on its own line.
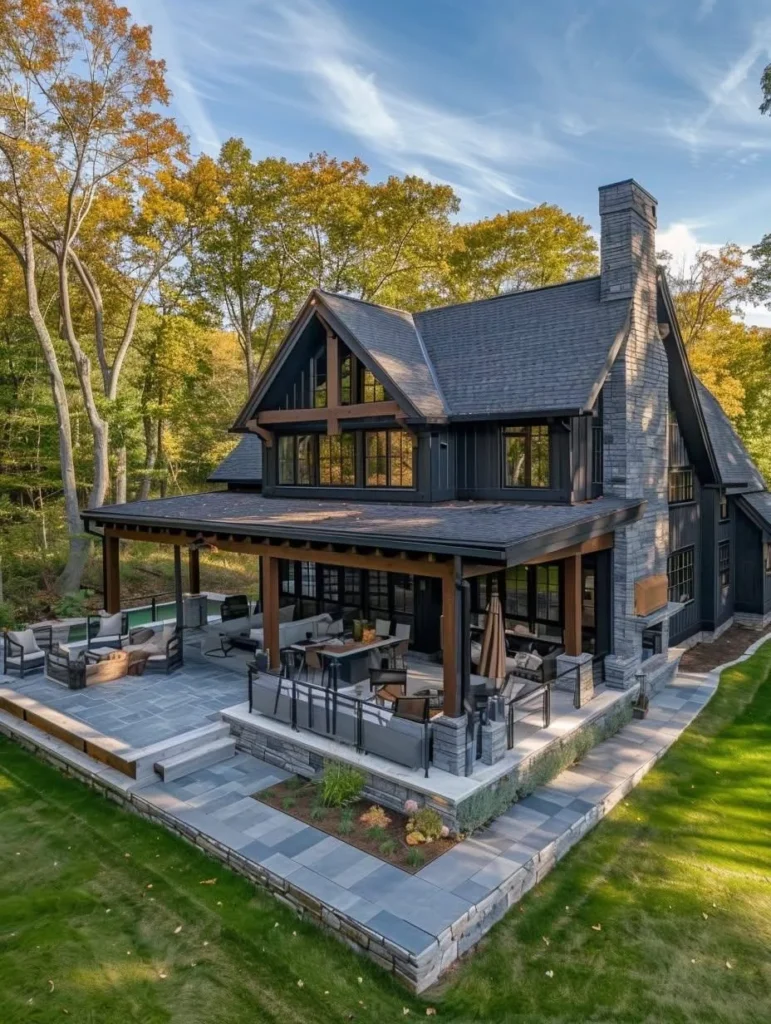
(685,531)
(479,465)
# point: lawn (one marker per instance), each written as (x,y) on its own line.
(663,914)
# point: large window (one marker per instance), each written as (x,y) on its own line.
(371,388)
(319,379)
(337,460)
(296,459)
(680,469)
(724,566)
(526,456)
(516,592)
(387,458)
(403,594)
(680,573)
(377,590)
(547,588)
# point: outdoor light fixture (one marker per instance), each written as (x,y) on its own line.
(200,544)
(640,706)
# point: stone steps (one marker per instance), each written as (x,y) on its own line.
(179,765)
(146,758)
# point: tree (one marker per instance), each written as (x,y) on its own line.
(79,127)
(518,250)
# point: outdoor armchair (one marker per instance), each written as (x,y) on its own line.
(24,649)
(106,630)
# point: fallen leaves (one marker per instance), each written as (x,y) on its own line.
(208,881)
(549,974)
(547,941)
(430,1011)
(300,984)
(596,927)
(178,929)
(52,985)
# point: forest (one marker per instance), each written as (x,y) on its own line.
(145,286)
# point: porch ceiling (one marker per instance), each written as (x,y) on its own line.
(497,532)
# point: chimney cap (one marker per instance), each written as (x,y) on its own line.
(634,185)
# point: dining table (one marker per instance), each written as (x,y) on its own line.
(348,659)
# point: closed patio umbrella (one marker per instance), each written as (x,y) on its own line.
(492,661)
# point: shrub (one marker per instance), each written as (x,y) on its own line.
(7,616)
(345,825)
(288,803)
(415,858)
(388,848)
(340,784)
(427,822)
(376,834)
(318,812)
(375,817)
(71,606)
(415,838)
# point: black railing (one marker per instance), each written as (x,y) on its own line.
(542,688)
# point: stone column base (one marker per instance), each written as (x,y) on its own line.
(493,742)
(582,663)
(620,672)
(450,744)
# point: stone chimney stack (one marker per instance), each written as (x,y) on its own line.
(636,406)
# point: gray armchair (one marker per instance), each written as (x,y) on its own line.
(107,630)
(24,650)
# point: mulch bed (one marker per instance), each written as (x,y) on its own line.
(298,798)
(732,644)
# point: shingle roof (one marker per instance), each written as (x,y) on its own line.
(472,526)
(243,465)
(734,463)
(390,338)
(524,352)
(760,502)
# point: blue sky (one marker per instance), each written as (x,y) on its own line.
(513,102)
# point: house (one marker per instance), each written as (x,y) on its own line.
(553,446)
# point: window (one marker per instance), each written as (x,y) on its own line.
(377,588)
(723,506)
(526,456)
(724,566)
(680,470)
(516,592)
(547,588)
(296,459)
(767,548)
(337,460)
(319,379)
(403,594)
(680,573)
(387,458)
(308,579)
(651,642)
(286,577)
(346,380)
(352,586)
(371,388)
(330,581)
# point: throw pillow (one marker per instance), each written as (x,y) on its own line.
(26,638)
(521,659)
(534,662)
(142,636)
(110,625)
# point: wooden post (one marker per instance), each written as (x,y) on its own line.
(573,605)
(111,574)
(194,570)
(271,642)
(451,645)
(178,587)
(333,384)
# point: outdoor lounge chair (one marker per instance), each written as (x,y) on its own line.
(160,650)
(84,670)
(24,649)
(235,607)
(107,630)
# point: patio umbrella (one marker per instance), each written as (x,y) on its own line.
(492,661)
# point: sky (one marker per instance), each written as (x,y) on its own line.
(512,102)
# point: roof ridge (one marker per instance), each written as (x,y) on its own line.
(509,295)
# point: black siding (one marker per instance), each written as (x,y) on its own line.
(479,461)
(685,531)
(751,583)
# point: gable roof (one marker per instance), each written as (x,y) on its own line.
(734,463)
(390,338)
(241,466)
(525,352)
(758,506)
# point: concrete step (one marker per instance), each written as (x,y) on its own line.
(179,765)
(146,757)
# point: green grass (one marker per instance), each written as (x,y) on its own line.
(693,839)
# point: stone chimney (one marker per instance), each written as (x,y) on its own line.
(636,406)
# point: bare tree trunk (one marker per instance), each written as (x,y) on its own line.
(151,454)
(121,473)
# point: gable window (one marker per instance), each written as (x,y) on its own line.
(767,551)
(296,459)
(723,506)
(680,469)
(387,458)
(724,566)
(319,379)
(337,460)
(680,574)
(371,388)
(526,456)
(346,380)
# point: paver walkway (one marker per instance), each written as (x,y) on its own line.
(415,911)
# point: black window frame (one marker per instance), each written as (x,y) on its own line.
(767,553)
(683,562)
(389,459)
(370,388)
(724,567)
(525,432)
(680,480)
(337,459)
(724,511)
(294,442)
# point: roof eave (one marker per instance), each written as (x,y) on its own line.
(553,540)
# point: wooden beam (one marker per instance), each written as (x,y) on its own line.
(472,569)
(111,573)
(299,550)
(194,570)
(270,631)
(254,428)
(333,384)
(451,644)
(573,605)
(602,543)
(360,411)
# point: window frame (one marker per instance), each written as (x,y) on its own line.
(370,387)
(526,433)
(680,476)
(312,459)
(681,553)
(336,459)
(389,458)
(724,567)
(724,512)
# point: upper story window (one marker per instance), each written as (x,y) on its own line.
(526,456)
(296,459)
(371,388)
(680,469)
(346,380)
(724,566)
(387,458)
(767,552)
(724,514)
(319,379)
(337,460)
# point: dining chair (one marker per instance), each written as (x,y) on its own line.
(382,627)
(403,631)
(415,709)
(314,667)
(397,651)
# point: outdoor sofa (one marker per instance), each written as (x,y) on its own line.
(81,671)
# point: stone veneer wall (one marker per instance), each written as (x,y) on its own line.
(635,414)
